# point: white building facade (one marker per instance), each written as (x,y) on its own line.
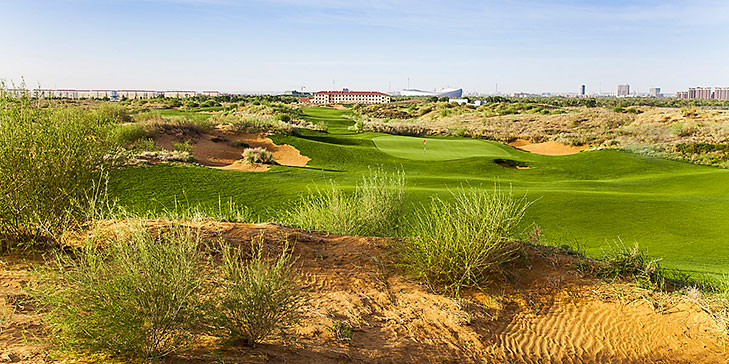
(350,97)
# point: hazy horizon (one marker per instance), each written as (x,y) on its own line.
(276,45)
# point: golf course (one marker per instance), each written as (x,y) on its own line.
(591,201)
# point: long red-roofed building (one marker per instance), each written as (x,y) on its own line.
(351,97)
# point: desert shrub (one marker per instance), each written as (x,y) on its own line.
(239,144)
(51,160)
(183,147)
(631,263)
(257,155)
(283,117)
(374,208)
(128,134)
(134,296)
(458,243)
(112,113)
(259,299)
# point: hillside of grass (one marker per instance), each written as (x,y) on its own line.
(673,210)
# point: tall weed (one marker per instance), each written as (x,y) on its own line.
(457,243)
(131,296)
(49,161)
(374,208)
(259,299)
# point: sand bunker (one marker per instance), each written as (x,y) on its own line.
(507,165)
(547,148)
(223,150)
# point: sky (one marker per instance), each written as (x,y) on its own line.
(276,45)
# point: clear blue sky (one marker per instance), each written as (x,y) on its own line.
(269,45)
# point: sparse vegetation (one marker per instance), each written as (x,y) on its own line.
(633,263)
(257,155)
(259,299)
(374,208)
(132,295)
(459,243)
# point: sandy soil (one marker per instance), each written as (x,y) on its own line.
(223,155)
(545,312)
(547,148)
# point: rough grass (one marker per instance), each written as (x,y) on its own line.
(374,208)
(458,243)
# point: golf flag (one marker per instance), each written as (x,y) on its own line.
(423,145)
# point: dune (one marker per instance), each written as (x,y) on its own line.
(546,312)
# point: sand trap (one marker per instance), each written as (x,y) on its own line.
(507,165)
(209,150)
(547,148)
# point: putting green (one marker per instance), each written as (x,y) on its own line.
(439,149)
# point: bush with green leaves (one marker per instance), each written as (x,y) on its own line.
(126,135)
(51,162)
(631,263)
(374,208)
(258,299)
(133,296)
(458,243)
(257,155)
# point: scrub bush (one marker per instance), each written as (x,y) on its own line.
(259,299)
(458,243)
(51,162)
(133,296)
(374,208)
(257,155)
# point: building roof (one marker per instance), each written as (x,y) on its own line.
(351,93)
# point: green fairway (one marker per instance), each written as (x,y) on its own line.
(439,149)
(676,211)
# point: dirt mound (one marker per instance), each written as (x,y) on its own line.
(224,149)
(547,148)
(540,312)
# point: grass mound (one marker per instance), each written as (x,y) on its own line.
(51,160)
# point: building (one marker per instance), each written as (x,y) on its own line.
(623,90)
(459,101)
(721,93)
(654,92)
(582,90)
(700,93)
(682,95)
(211,93)
(179,94)
(351,97)
(453,93)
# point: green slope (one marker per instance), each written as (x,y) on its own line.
(674,210)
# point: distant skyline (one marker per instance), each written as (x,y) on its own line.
(275,45)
